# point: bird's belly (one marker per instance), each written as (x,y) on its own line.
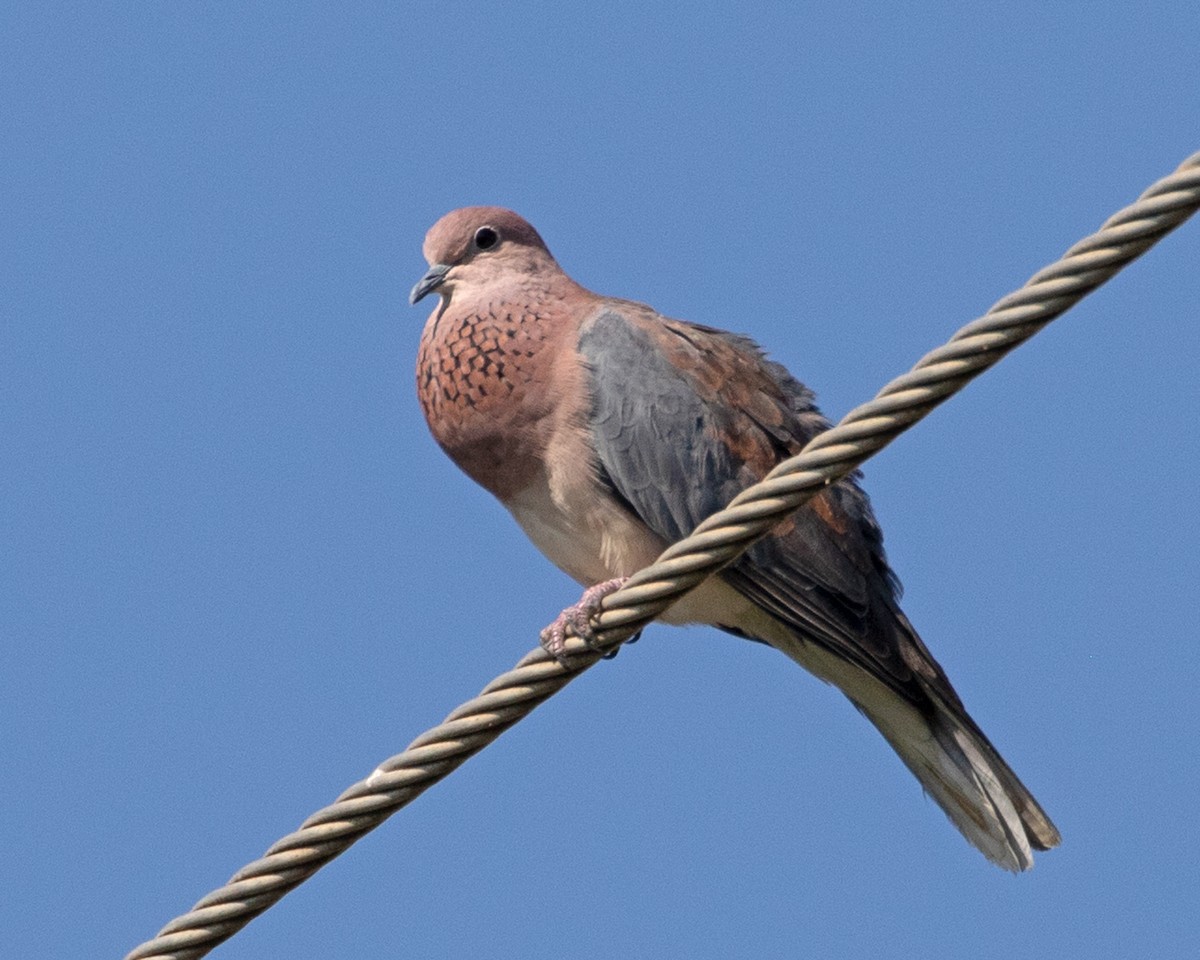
(588,537)
(597,539)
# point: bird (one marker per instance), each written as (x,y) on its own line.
(609,431)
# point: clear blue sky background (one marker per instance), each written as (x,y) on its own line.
(236,573)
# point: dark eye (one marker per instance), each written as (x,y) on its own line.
(486,238)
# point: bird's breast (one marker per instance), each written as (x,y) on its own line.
(484,384)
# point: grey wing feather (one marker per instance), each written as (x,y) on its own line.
(649,425)
(677,441)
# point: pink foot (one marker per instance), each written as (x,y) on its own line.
(578,618)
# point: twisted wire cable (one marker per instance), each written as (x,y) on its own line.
(714,543)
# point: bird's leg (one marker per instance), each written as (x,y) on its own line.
(578,618)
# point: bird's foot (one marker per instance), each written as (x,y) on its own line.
(578,619)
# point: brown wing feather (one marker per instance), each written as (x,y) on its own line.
(684,417)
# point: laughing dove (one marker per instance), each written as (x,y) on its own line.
(609,432)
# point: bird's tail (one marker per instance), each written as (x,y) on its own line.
(969,779)
(946,750)
(929,728)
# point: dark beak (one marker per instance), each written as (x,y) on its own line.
(427,284)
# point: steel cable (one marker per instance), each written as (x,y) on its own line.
(715,542)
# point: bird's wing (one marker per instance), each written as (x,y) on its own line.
(683,417)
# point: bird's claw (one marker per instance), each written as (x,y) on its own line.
(576,620)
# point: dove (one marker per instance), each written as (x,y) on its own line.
(609,431)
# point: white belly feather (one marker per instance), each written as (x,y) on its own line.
(592,538)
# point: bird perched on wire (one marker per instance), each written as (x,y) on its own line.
(610,431)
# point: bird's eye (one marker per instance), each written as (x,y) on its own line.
(486,238)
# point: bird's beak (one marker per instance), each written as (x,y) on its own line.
(433,279)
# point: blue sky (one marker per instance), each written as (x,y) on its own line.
(236,572)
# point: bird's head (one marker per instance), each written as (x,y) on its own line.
(475,247)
